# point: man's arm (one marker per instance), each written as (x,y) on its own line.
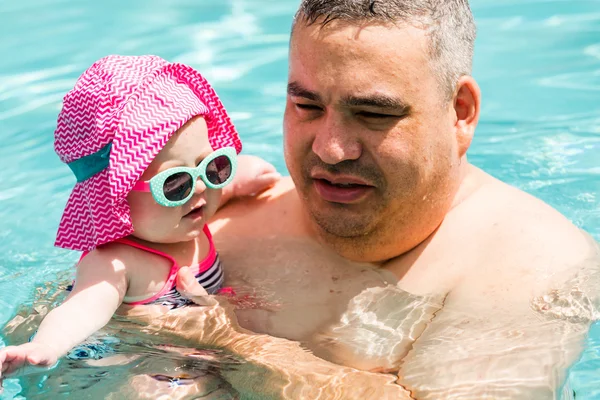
(461,357)
(273,368)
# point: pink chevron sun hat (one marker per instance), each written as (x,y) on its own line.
(120,114)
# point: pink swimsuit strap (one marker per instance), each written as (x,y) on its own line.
(170,283)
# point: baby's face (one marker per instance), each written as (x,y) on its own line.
(155,223)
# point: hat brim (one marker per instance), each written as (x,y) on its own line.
(91,218)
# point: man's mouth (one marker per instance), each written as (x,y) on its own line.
(342,185)
(341,190)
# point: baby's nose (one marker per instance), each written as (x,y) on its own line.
(200,186)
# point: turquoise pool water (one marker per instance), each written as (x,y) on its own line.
(537,61)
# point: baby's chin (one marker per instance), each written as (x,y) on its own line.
(169,231)
(187,231)
(177,235)
(192,234)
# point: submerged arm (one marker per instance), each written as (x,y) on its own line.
(99,289)
(273,367)
(474,358)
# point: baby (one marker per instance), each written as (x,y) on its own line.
(155,154)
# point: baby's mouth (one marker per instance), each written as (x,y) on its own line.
(196,212)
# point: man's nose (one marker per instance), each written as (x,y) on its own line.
(335,142)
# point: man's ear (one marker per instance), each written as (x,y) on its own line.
(467,102)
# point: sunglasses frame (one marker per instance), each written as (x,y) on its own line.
(155,185)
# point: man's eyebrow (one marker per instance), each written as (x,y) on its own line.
(296,90)
(377,101)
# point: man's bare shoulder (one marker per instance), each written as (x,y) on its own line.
(273,211)
(522,237)
(522,219)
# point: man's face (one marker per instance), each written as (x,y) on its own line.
(369,138)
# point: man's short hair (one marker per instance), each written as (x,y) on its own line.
(449,25)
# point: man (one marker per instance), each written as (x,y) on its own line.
(387,251)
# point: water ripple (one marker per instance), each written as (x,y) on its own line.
(537,61)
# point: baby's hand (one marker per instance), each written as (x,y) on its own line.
(14,357)
(253,176)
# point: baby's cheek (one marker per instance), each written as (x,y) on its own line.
(150,220)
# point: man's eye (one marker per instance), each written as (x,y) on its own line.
(308,107)
(372,115)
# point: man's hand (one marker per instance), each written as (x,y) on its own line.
(189,287)
(254,175)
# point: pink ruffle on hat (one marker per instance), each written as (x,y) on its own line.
(120,114)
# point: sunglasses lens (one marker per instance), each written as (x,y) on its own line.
(218,170)
(178,186)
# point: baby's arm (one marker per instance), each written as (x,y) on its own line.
(253,176)
(101,284)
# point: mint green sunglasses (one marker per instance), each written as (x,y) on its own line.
(175,186)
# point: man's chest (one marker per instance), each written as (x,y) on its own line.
(352,314)
(289,288)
